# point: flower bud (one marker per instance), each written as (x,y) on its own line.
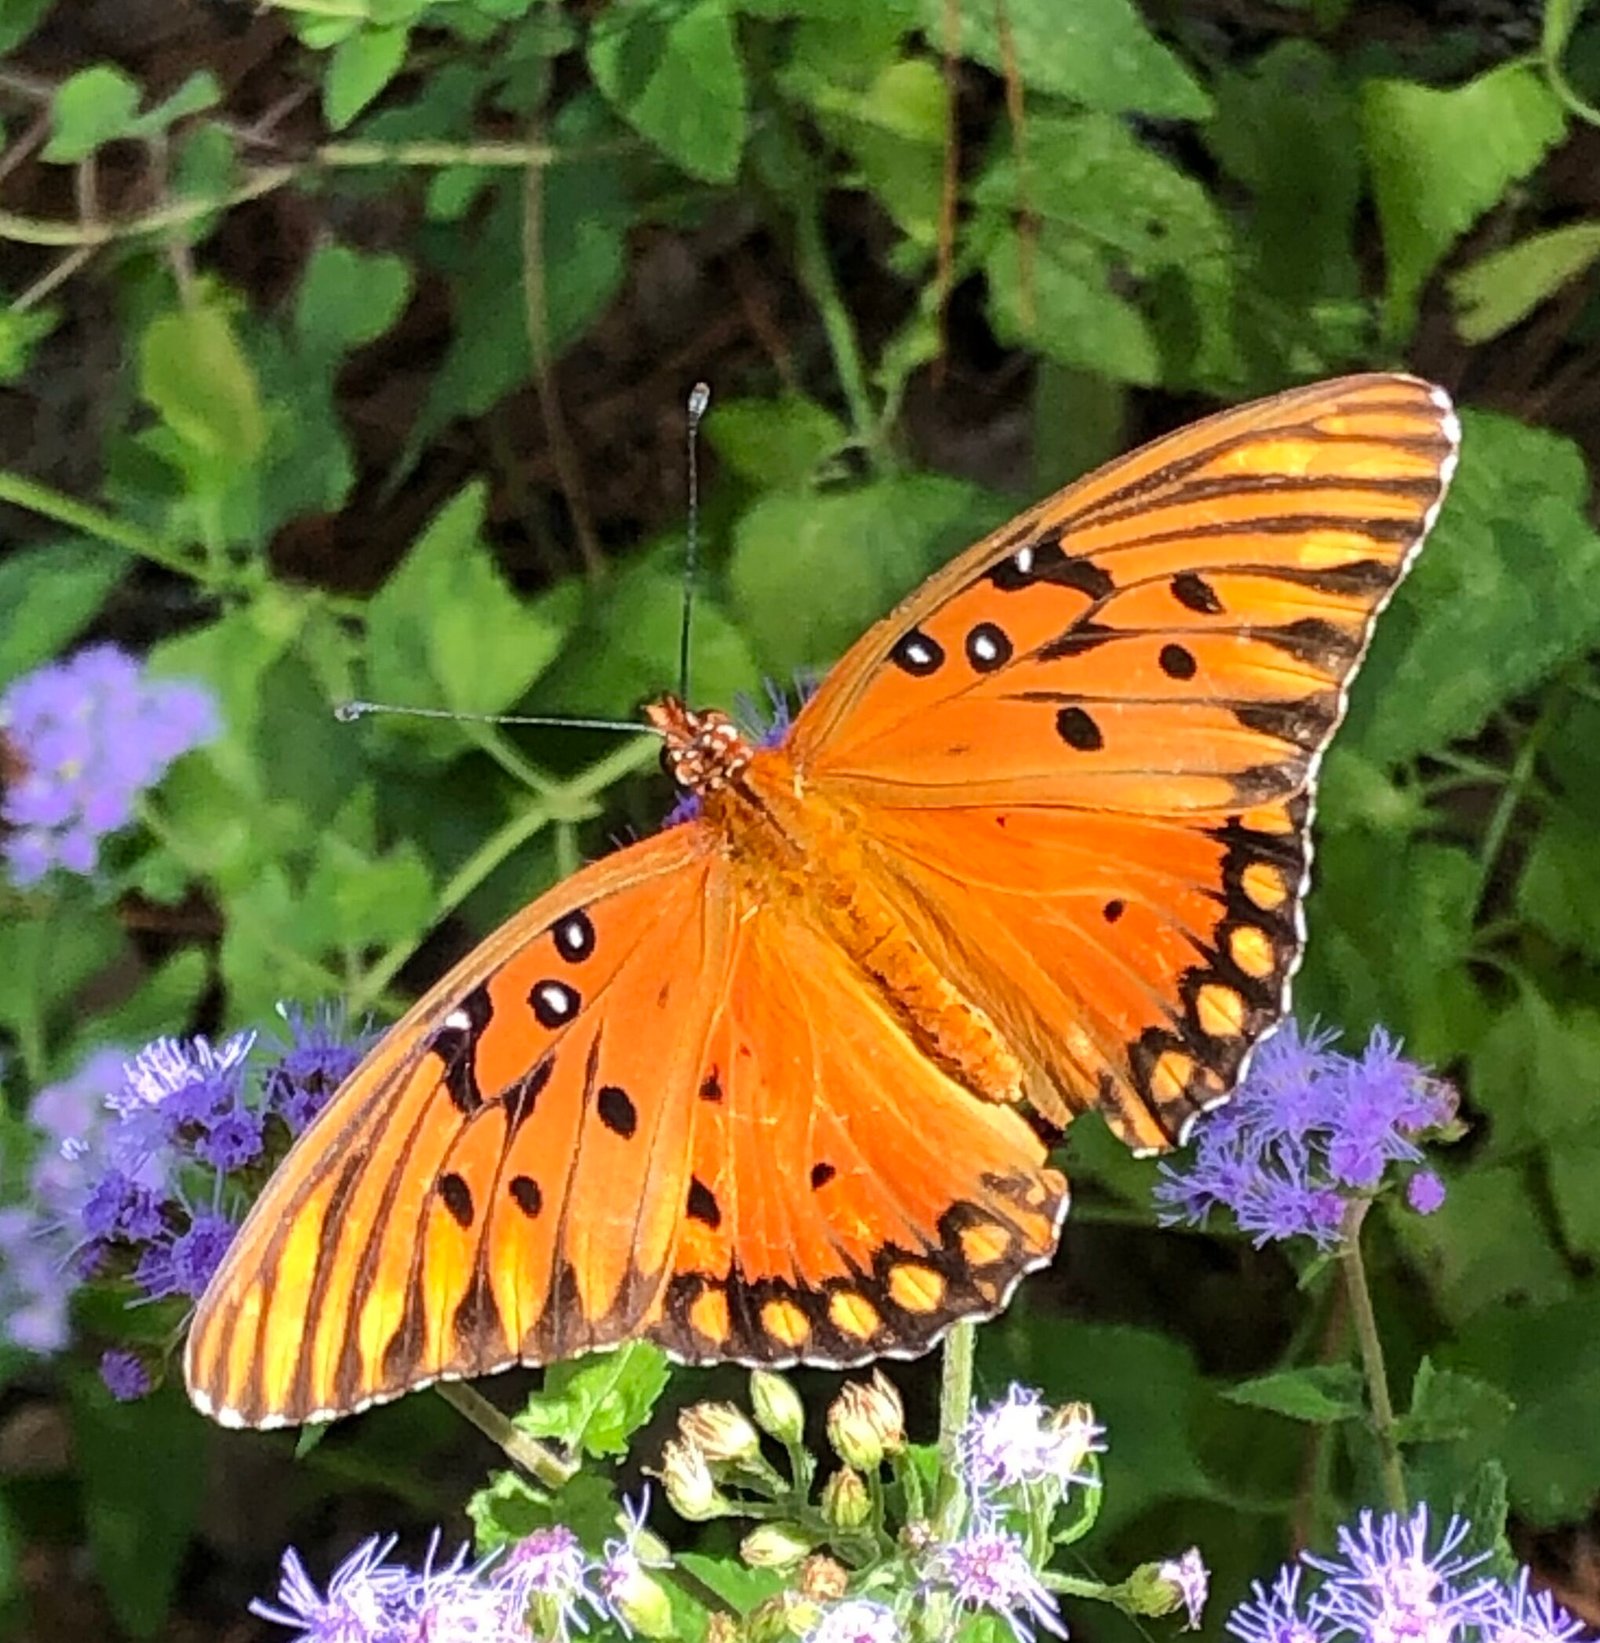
(777,1406)
(1077,1436)
(721,1627)
(774,1546)
(720,1432)
(867,1422)
(1162,1588)
(687,1479)
(782,1618)
(845,1501)
(640,1602)
(822,1579)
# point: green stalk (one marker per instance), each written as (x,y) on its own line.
(95,522)
(1371,1344)
(533,1457)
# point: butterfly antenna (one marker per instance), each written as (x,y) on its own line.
(349,712)
(699,399)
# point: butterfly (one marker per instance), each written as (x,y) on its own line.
(776,1084)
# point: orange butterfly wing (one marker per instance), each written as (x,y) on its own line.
(1085,752)
(649,1105)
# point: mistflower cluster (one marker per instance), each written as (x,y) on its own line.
(1308,1131)
(1390,1585)
(545,1586)
(1021,1441)
(143,1164)
(85,737)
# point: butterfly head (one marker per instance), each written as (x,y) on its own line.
(703,749)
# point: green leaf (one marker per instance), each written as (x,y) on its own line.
(18,19)
(48,958)
(1533,1057)
(139,1535)
(50,594)
(445,628)
(1543,1358)
(1502,596)
(164,1003)
(362,902)
(597,1405)
(743,1590)
(1574,1168)
(1320,1394)
(94,106)
(348,298)
(1503,288)
(1552,892)
(1440,159)
(1447,1405)
(194,373)
(198,92)
(1061,301)
(21,330)
(360,67)
(1488,1245)
(509,1509)
(775,444)
(674,73)
(1098,53)
(867,547)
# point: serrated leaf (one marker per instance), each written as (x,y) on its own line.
(1319,1394)
(1535,1056)
(775,444)
(1097,53)
(49,595)
(1447,1405)
(743,1590)
(447,619)
(194,373)
(1546,1358)
(1440,159)
(595,1406)
(1061,301)
(94,106)
(674,73)
(1553,891)
(1501,597)
(348,297)
(362,64)
(1503,288)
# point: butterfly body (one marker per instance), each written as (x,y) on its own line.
(770,1085)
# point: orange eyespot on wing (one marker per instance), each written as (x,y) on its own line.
(1087,749)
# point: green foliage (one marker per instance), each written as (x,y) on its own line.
(355,464)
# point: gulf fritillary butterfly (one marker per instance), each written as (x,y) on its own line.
(770,1085)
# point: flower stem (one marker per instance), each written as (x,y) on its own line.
(1371,1344)
(95,522)
(955,1390)
(528,1453)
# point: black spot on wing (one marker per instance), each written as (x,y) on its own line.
(617,1111)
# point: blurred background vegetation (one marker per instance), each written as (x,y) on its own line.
(345,351)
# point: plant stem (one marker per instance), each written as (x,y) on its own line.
(816,271)
(955,1390)
(1371,1344)
(95,522)
(532,1456)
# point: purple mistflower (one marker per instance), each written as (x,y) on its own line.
(451,1603)
(629,1592)
(1518,1615)
(550,1567)
(988,1569)
(856,1620)
(233,1140)
(120,1209)
(321,1054)
(1020,1440)
(34,1283)
(172,1089)
(126,1375)
(91,734)
(1275,1616)
(1425,1192)
(363,1594)
(1189,1574)
(1308,1130)
(1386,1586)
(182,1264)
